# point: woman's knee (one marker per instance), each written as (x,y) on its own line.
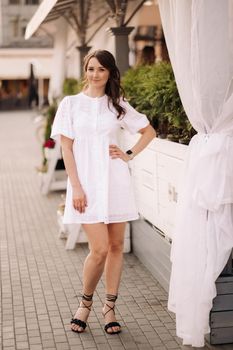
(116,247)
(99,255)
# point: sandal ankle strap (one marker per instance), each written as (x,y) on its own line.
(87,297)
(111,297)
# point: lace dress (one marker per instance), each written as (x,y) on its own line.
(93,125)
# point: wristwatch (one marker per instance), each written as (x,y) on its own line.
(130,154)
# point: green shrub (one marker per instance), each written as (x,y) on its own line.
(152,90)
(71,86)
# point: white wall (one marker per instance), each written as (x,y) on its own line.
(15,63)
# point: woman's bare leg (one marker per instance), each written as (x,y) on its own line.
(97,235)
(113,267)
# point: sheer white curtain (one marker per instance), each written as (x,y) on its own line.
(199,36)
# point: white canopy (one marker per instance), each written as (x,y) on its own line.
(199,36)
(48,10)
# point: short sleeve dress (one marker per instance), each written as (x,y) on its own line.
(93,125)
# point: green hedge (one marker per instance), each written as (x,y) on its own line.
(152,90)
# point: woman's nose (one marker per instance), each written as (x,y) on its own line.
(95,74)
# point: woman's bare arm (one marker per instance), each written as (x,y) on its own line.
(79,197)
(148,133)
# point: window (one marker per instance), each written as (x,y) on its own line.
(15,27)
(31,2)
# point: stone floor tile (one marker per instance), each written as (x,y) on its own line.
(165,337)
(21,337)
(22,345)
(35,340)
(103,347)
(171,344)
(8,342)
(63,346)
(49,343)
(36,347)
(8,335)
(144,347)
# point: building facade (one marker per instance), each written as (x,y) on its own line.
(75,34)
(18,55)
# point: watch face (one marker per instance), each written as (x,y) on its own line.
(129,152)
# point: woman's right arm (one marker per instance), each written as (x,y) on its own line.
(79,197)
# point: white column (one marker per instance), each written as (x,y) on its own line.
(41,91)
(59,60)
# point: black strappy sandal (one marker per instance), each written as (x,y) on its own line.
(111,298)
(78,322)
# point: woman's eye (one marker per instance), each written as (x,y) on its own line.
(90,69)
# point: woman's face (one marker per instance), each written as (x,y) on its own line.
(96,74)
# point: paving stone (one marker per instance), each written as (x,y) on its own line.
(35,340)
(36,347)
(103,347)
(171,344)
(22,345)
(165,337)
(21,337)
(8,342)
(74,341)
(48,343)
(62,346)
(144,347)
(8,335)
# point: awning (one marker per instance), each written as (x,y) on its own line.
(48,10)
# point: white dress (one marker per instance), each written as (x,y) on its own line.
(106,182)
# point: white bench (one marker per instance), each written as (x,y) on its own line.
(53,180)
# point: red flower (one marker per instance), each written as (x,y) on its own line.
(49,143)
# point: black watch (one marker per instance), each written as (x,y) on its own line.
(130,154)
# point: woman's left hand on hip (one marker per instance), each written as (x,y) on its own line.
(116,152)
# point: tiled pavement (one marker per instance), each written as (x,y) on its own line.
(40,279)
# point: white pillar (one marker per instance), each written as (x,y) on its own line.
(41,91)
(59,60)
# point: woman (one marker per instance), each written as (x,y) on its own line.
(99,190)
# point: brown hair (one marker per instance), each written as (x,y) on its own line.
(113,87)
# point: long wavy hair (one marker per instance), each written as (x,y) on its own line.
(113,88)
